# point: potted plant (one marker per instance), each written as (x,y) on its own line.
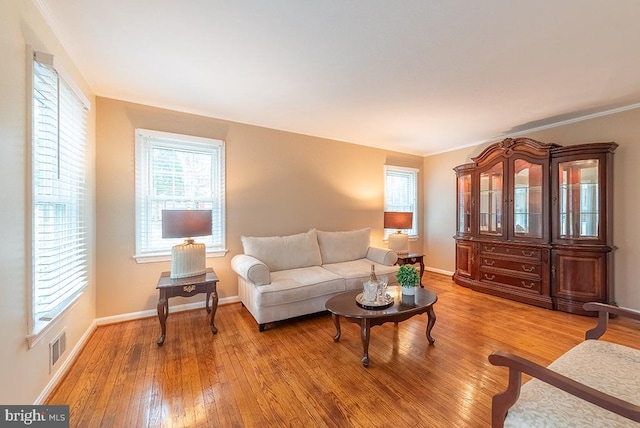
(408,278)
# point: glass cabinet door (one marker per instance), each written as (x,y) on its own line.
(527,199)
(578,199)
(491,201)
(464,203)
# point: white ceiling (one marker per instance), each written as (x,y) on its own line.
(416,76)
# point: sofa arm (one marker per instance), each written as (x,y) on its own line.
(251,269)
(383,256)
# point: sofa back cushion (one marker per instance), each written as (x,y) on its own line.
(337,247)
(285,252)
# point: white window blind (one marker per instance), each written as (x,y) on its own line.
(59,236)
(177,172)
(401,194)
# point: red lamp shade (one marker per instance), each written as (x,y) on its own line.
(398,220)
(186,223)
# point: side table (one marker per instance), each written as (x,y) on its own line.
(186,287)
(411,259)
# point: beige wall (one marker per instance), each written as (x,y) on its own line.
(24,372)
(622,127)
(278,183)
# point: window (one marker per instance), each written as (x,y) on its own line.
(58,168)
(401,194)
(177,172)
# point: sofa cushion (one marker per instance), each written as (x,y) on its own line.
(356,272)
(295,285)
(285,252)
(337,247)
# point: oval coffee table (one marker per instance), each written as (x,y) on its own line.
(403,308)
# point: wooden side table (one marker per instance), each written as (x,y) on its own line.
(186,287)
(411,259)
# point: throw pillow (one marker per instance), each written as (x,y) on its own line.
(337,247)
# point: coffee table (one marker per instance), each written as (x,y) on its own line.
(403,308)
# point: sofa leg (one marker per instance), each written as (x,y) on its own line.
(261,327)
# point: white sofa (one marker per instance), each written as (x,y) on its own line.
(281,277)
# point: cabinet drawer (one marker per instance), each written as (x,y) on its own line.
(516,266)
(533,253)
(496,278)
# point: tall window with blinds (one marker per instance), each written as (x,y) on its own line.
(177,172)
(401,194)
(59,233)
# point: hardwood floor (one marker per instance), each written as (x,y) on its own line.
(293,374)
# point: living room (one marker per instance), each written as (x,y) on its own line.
(277,183)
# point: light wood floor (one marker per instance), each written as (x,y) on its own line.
(294,375)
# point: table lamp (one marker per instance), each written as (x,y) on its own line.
(189,258)
(398,242)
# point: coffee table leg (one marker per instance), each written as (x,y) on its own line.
(336,322)
(430,322)
(365,333)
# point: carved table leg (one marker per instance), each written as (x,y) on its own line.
(214,308)
(163,313)
(431,321)
(366,334)
(336,322)
(207,304)
(421,261)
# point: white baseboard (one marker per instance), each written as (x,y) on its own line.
(65,365)
(441,271)
(73,354)
(153,312)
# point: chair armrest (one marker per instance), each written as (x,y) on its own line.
(383,256)
(251,269)
(502,402)
(603,317)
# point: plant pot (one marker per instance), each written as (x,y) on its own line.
(409,291)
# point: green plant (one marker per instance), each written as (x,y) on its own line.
(408,276)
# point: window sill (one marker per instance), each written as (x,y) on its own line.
(41,328)
(412,238)
(166,257)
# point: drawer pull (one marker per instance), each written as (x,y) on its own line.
(529,269)
(490,277)
(525,285)
(527,253)
(489,262)
(188,288)
(489,249)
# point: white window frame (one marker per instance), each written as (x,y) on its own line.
(404,201)
(150,247)
(58,259)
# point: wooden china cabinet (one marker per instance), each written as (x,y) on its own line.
(534,223)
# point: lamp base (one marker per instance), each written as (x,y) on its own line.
(399,243)
(188,259)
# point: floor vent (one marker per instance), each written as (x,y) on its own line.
(57,348)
